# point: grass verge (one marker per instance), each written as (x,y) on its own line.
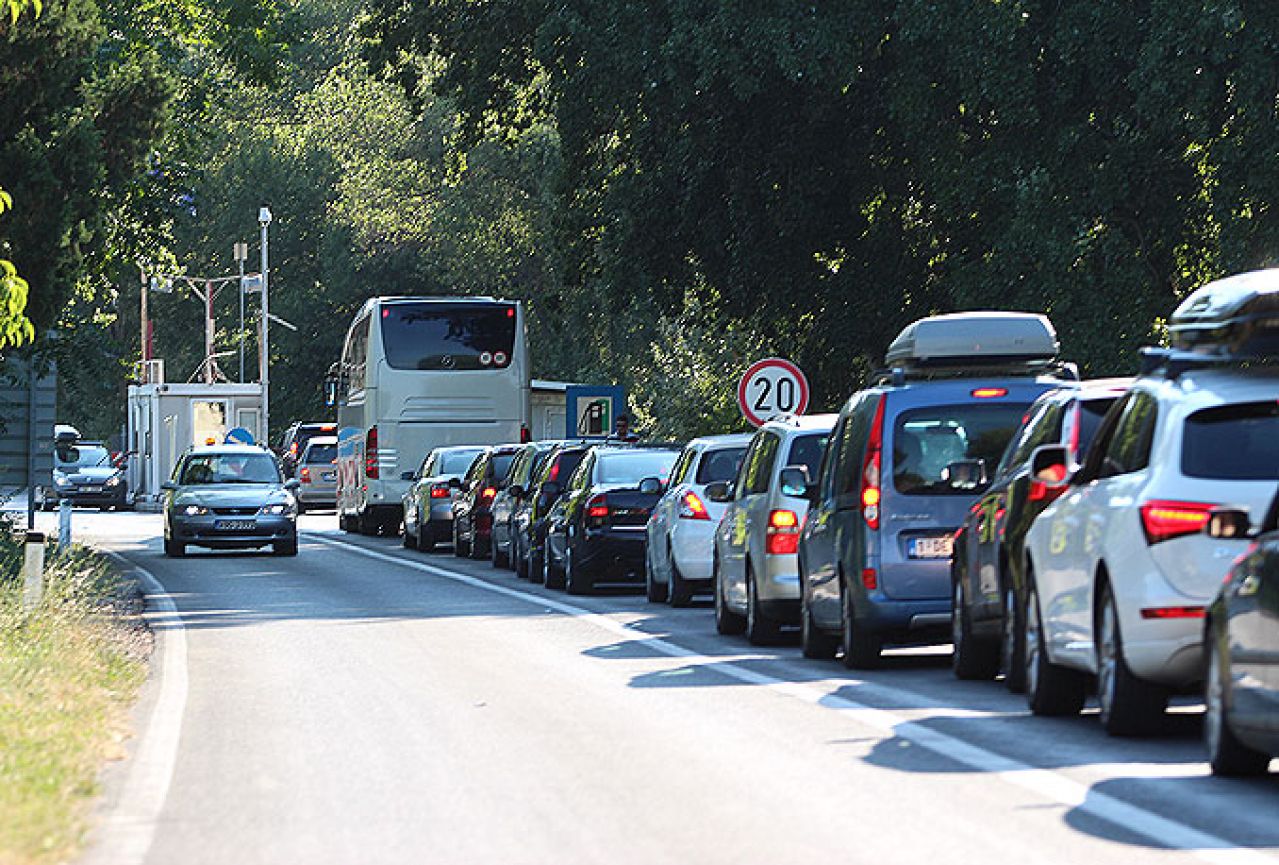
(69,671)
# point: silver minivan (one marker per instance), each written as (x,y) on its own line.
(755,572)
(317,472)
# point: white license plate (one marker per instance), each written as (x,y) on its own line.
(932,548)
(90,489)
(328,476)
(235,525)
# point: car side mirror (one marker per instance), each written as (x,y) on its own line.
(168,485)
(455,483)
(292,484)
(516,491)
(651,486)
(408,476)
(719,491)
(793,481)
(1228,523)
(965,474)
(1050,465)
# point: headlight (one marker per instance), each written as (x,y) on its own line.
(114,481)
(195,510)
(275,510)
(61,480)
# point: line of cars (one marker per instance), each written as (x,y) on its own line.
(1074,537)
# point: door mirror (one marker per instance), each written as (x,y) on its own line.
(516,491)
(965,474)
(455,483)
(292,484)
(330,390)
(1050,465)
(719,491)
(408,476)
(651,486)
(169,485)
(1227,523)
(793,481)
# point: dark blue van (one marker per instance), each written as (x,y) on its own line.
(908,457)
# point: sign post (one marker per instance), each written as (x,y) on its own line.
(770,387)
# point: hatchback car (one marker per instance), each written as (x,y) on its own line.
(901,472)
(229,497)
(472,509)
(294,441)
(318,474)
(680,540)
(986,570)
(428,503)
(755,575)
(84,475)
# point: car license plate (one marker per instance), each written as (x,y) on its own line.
(90,489)
(932,548)
(235,525)
(328,476)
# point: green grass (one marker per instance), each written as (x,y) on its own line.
(68,673)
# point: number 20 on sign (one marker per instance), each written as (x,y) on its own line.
(771,387)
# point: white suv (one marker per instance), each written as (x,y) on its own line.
(1119,572)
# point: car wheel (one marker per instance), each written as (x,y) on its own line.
(409,540)
(536,566)
(1129,706)
(174,549)
(862,647)
(1011,661)
(301,507)
(1226,754)
(461,550)
(971,659)
(1050,690)
(726,621)
(575,581)
(285,548)
(426,541)
(816,643)
(345,523)
(368,523)
(519,560)
(552,577)
(654,593)
(760,629)
(678,592)
(499,558)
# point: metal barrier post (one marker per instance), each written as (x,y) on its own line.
(64,524)
(33,571)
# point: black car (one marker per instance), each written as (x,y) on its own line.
(1241,642)
(596,531)
(294,441)
(987,583)
(528,522)
(472,514)
(504,544)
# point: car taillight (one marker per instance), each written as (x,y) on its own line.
(597,507)
(989,392)
(440,491)
(1041,492)
(370,454)
(304,474)
(555,471)
(870,579)
(871,493)
(1173,613)
(783,533)
(692,508)
(1164,520)
(487,494)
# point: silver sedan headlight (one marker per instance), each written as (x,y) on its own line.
(277,510)
(61,481)
(114,481)
(194,510)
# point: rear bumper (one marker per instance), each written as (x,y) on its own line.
(912,620)
(612,555)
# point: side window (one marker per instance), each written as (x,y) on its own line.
(426,470)
(1042,427)
(177,470)
(680,471)
(581,477)
(516,471)
(1129,448)
(356,360)
(826,474)
(744,470)
(476,471)
(762,470)
(848,461)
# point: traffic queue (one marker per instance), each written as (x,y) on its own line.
(1114,537)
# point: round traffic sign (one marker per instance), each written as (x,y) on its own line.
(770,387)
(239,436)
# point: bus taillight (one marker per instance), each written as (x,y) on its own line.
(370,453)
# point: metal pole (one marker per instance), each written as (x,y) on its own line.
(264,219)
(241,260)
(208,331)
(146,343)
(32,439)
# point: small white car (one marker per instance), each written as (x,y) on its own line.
(681,532)
(1119,571)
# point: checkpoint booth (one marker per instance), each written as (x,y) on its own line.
(165,419)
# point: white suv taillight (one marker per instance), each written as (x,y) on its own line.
(1164,520)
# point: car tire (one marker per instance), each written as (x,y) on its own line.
(654,593)
(815,643)
(1226,754)
(575,582)
(552,576)
(285,548)
(678,592)
(1012,644)
(461,550)
(409,540)
(760,629)
(536,567)
(499,558)
(972,659)
(1129,706)
(726,621)
(301,507)
(368,523)
(1051,691)
(519,561)
(862,647)
(174,549)
(426,540)
(346,523)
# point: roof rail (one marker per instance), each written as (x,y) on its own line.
(899,375)
(1172,363)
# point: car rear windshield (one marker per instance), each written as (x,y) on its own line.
(927,440)
(806,451)
(455,462)
(502,464)
(719,465)
(322,454)
(1233,442)
(634,466)
(229,469)
(565,464)
(448,336)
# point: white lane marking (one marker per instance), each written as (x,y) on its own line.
(125,836)
(1052,785)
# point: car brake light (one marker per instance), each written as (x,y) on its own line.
(692,508)
(871,470)
(440,491)
(783,533)
(370,454)
(304,474)
(989,392)
(597,508)
(1164,520)
(555,471)
(1041,492)
(870,579)
(1173,613)
(488,493)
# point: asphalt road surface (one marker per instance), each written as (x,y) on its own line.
(366,703)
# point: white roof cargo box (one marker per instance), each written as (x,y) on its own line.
(966,339)
(1238,316)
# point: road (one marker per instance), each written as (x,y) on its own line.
(366,703)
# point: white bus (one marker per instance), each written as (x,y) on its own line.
(417,373)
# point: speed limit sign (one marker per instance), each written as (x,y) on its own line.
(771,387)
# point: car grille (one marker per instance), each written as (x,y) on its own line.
(235,512)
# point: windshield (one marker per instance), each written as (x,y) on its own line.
(455,462)
(322,454)
(720,465)
(633,467)
(448,335)
(927,440)
(81,457)
(230,469)
(1233,442)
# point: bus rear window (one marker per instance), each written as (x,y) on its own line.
(448,336)
(1233,442)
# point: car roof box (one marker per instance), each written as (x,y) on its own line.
(1233,317)
(968,339)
